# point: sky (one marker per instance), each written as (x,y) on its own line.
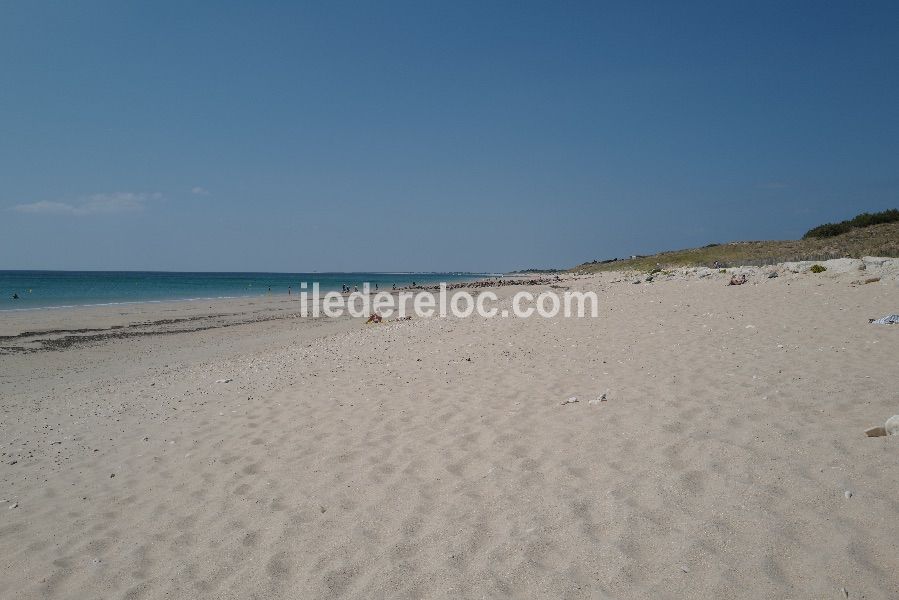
(434,136)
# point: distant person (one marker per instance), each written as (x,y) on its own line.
(394,287)
(355,288)
(376,287)
(288,290)
(15,296)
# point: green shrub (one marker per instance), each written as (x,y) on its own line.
(818,269)
(862,220)
(828,230)
(868,219)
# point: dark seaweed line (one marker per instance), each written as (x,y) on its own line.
(68,341)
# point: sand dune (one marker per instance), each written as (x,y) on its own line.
(434,458)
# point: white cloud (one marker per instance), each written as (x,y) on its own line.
(45,207)
(199,191)
(117,202)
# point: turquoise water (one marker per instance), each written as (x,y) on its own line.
(51,289)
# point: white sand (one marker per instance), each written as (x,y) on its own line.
(379,461)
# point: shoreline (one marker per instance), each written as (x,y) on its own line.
(40,330)
(282,285)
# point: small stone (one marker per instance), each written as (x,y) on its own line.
(13,505)
(875,432)
(111,475)
(571,400)
(603,398)
(848,494)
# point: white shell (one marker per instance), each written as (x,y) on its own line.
(892,425)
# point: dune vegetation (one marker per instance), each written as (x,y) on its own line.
(855,241)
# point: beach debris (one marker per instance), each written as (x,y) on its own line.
(684,569)
(865,281)
(571,400)
(892,425)
(845,592)
(848,494)
(228,380)
(13,505)
(887,320)
(602,398)
(772,274)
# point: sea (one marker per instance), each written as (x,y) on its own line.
(43,290)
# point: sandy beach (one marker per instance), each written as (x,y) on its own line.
(233,449)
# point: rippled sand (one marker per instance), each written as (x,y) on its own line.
(435,459)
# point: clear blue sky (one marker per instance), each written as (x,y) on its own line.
(434,136)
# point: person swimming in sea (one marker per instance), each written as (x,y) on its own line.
(15,296)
